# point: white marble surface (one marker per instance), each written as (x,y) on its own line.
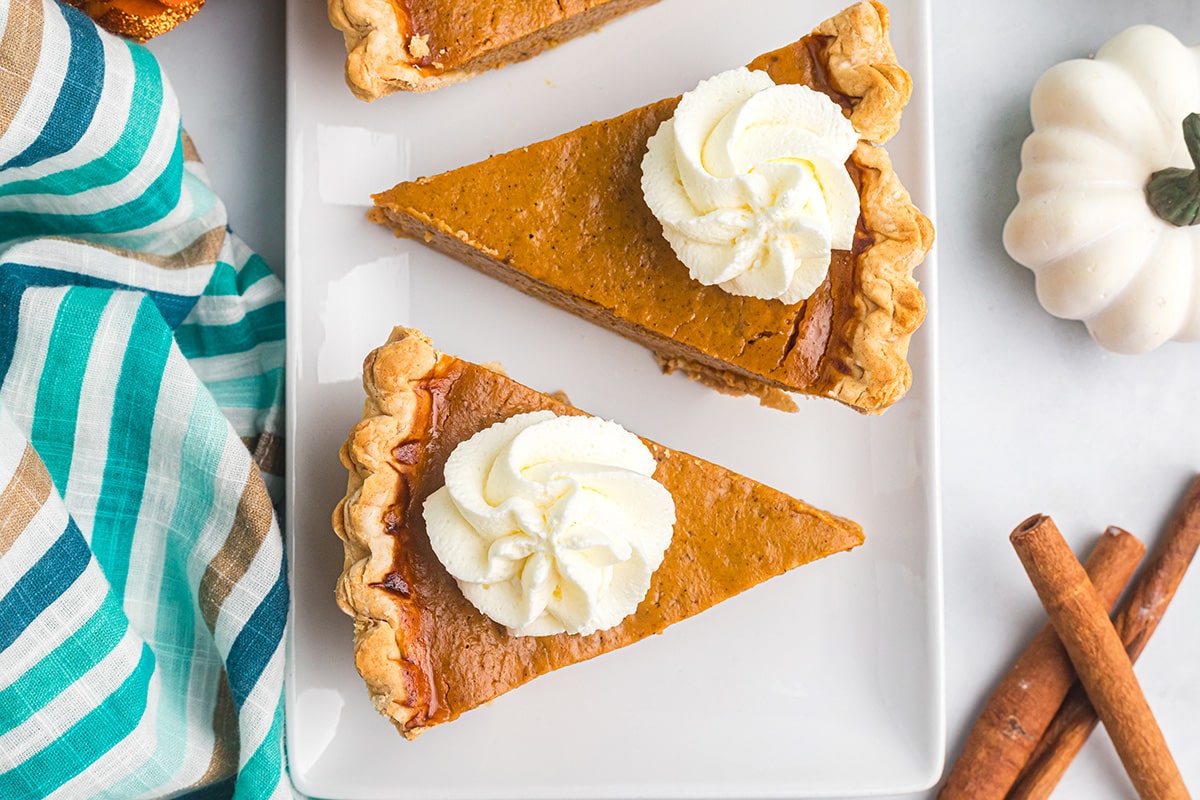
(1035,418)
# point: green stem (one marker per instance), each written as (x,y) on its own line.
(1174,193)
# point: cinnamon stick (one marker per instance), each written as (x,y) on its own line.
(1136,621)
(1025,701)
(1082,623)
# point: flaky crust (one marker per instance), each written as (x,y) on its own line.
(862,64)
(386,624)
(378,48)
(888,306)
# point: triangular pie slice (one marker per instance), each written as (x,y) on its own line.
(564,220)
(426,654)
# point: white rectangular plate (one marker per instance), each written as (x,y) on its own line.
(825,681)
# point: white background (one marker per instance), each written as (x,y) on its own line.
(1035,418)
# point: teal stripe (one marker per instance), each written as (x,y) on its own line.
(265,324)
(77,97)
(253,271)
(263,772)
(228,280)
(85,741)
(175,627)
(258,641)
(203,445)
(57,410)
(159,199)
(55,673)
(176,623)
(203,201)
(42,584)
(224,281)
(177,614)
(126,153)
(127,462)
(253,391)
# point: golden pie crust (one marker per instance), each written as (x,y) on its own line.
(426,654)
(420,45)
(564,220)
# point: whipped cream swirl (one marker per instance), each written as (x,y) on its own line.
(749,182)
(551,524)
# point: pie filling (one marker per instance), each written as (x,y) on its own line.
(458,32)
(457,658)
(600,253)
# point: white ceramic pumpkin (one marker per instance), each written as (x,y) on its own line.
(1084,223)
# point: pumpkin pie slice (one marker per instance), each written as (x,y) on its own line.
(427,655)
(420,45)
(564,220)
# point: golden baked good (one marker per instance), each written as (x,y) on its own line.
(427,655)
(138,19)
(565,221)
(419,45)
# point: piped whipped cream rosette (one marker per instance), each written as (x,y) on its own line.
(749,182)
(551,524)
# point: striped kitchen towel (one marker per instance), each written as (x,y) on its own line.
(143,589)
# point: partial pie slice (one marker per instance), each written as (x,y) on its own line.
(564,220)
(426,654)
(419,45)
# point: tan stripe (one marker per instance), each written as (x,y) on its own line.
(204,250)
(189,148)
(268,452)
(224,759)
(250,527)
(24,496)
(20,49)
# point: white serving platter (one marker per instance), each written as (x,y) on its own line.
(825,681)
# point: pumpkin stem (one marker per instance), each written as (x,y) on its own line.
(1174,193)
